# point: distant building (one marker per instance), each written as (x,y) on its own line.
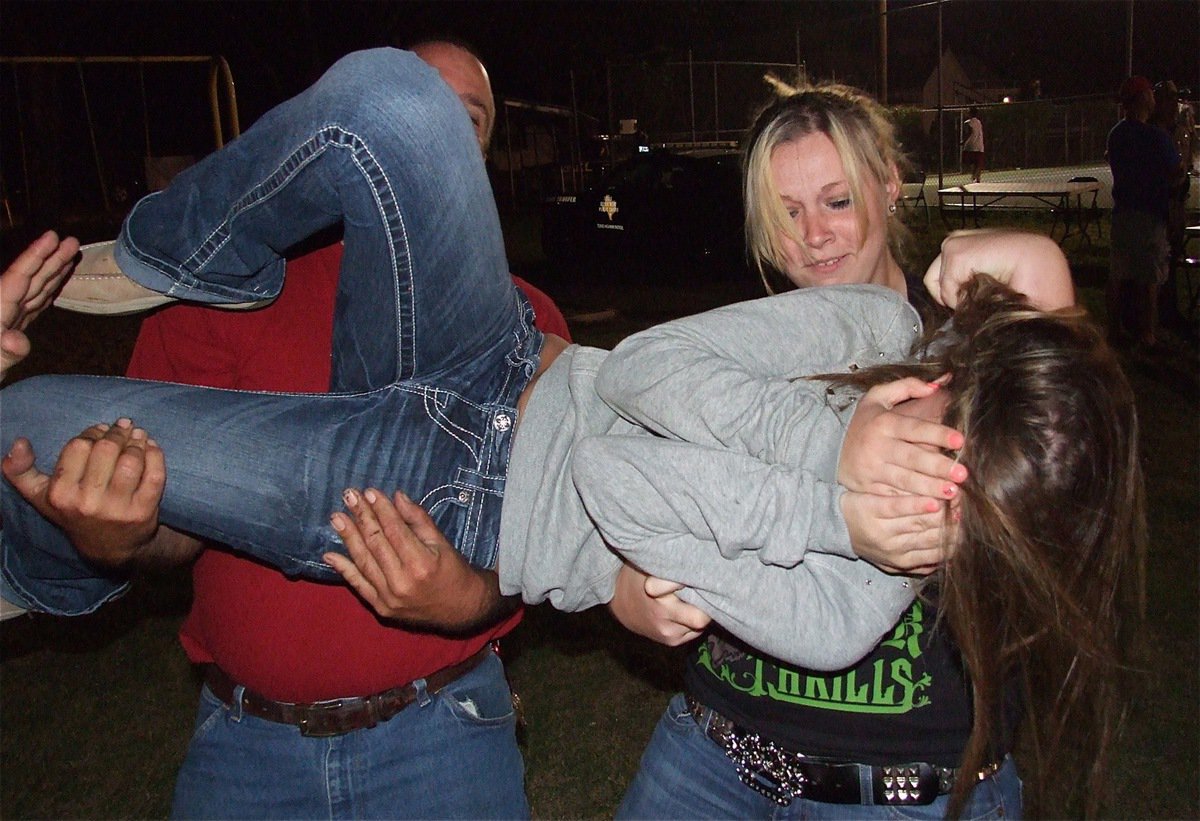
(966,82)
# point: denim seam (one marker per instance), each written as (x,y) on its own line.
(456,432)
(35,603)
(386,203)
(399,228)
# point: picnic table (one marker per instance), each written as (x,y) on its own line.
(1186,266)
(1063,197)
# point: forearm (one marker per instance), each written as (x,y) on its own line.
(164,548)
(480,606)
(825,614)
(167,548)
(667,505)
(1031,264)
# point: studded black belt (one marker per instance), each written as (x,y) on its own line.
(783,775)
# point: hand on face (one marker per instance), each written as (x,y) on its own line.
(897,534)
(899,478)
(895,442)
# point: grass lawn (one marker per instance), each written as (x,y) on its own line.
(95,712)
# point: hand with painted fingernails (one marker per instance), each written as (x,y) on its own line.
(896,444)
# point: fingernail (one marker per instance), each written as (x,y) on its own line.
(958,473)
(138,433)
(371,495)
(337,522)
(151,443)
(350,497)
(949,490)
(124,422)
(403,495)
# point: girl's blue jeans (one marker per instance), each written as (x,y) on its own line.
(432,342)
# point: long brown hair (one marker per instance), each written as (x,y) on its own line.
(1044,587)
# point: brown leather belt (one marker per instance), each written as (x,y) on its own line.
(339,715)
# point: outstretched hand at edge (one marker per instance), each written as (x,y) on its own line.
(26,287)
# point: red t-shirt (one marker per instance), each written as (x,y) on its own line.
(290,640)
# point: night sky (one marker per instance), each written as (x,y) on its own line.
(534,48)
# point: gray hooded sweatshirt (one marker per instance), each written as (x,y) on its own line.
(697,452)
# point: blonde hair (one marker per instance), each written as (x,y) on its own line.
(864,137)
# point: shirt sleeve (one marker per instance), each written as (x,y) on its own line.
(733,378)
(667,506)
(825,614)
(731,529)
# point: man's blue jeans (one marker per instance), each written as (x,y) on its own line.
(685,774)
(432,343)
(450,755)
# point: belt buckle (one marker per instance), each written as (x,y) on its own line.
(765,768)
(763,783)
(325,719)
(759,764)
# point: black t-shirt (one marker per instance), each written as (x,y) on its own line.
(908,700)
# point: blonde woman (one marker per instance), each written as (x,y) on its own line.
(754,736)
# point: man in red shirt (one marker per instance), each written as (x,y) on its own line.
(272,645)
(312,707)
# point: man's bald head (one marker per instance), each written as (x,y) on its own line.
(466,75)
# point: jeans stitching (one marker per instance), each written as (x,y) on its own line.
(331,136)
(451,429)
(408,261)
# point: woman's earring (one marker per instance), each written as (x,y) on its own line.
(891,208)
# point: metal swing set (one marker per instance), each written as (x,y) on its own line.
(220,78)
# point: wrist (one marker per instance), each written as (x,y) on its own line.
(113,554)
(483,605)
